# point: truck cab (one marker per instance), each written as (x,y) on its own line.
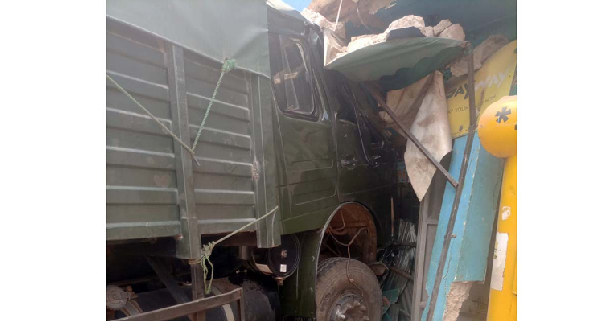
(300,140)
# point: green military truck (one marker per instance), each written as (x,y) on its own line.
(283,136)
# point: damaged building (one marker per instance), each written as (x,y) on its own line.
(338,163)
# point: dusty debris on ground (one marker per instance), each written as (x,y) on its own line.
(481,53)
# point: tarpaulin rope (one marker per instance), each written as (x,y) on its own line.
(228,65)
(207,250)
(164,127)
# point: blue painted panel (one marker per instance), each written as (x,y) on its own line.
(468,251)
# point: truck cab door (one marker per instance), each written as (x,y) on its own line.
(366,158)
(306,152)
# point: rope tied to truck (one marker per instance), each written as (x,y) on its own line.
(228,65)
(206,250)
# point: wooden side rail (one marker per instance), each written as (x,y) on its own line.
(192,307)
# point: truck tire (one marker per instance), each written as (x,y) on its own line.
(339,299)
(257,306)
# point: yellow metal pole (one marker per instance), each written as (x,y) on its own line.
(503,289)
(498,133)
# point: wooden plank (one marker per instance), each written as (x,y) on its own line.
(187,308)
(428,220)
(402,273)
(241,306)
(197,289)
(189,246)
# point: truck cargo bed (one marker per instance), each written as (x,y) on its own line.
(153,187)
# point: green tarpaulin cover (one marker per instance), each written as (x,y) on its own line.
(235,29)
(398,62)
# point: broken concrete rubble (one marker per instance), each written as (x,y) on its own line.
(407,21)
(428,31)
(481,53)
(404,22)
(444,28)
(360,42)
(318,19)
(441,26)
(364,41)
(410,21)
(455,31)
(459,292)
(334,46)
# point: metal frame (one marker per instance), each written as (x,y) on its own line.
(410,136)
(463,172)
(192,307)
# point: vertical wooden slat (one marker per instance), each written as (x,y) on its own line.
(188,245)
(241,311)
(198,289)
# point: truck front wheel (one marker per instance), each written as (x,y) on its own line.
(347,290)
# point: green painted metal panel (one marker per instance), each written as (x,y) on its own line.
(153,187)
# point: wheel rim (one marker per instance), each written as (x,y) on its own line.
(349,307)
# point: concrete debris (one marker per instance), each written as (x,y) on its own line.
(352,11)
(372,39)
(459,292)
(407,21)
(455,31)
(481,53)
(444,28)
(318,19)
(428,31)
(334,46)
(410,21)
(441,26)
(364,41)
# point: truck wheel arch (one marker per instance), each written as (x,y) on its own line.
(299,290)
(355,216)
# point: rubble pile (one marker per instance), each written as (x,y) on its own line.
(444,29)
(481,53)
(318,19)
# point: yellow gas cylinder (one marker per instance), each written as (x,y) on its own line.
(497,130)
